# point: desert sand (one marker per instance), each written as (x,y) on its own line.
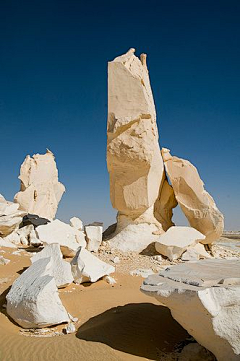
(115,322)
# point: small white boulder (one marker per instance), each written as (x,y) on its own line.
(76,222)
(88,268)
(93,237)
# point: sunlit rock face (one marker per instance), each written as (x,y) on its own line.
(195,202)
(40,191)
(134,159)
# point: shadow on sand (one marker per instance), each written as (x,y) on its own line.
(142,329)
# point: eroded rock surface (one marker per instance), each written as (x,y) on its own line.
(10,216)
(133,156)
(204,297)
(40,190)
(195,202)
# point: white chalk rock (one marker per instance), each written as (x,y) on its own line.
(195,202)
(10,217)
(61,270)
(33,300)
(110,280)
(143,272)
(195,253)
(13,237)
(134,159)
(204,297)
(88,268)
(40,190)
(4,261)
(93,237)
(76,223)
(176,240)
(5,243)
(68,237)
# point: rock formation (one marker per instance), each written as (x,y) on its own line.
(10,216)
(177,240)
(33,300)
(197,204)
(59,232)
(40,190)
(88,268)
(204,297)
(133,156)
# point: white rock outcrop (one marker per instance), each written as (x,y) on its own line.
(59,232)
(33,300)
(93,237)
(40,190)
(204,297)
(5,243)
(195,253)
(76,223)
(10,216)
(88,268)
(177,240)
(134,159)
(195,202)
(61,270)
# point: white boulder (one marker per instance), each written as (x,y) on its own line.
(33,300)
(93,237)
(195,253)
(61,270)
(176,240)
(10,216)
(204,297)
(5,243)
(76,223)
(88,268)
(68,237)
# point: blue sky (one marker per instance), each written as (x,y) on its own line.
(53,91)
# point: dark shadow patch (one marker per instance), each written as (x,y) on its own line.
(142,329)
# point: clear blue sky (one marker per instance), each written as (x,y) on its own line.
(53,91)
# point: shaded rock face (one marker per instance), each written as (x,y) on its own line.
(204,297)
(163,207)
(133,155)
(195,202)
(40,190)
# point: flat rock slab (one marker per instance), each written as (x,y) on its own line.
(204,297)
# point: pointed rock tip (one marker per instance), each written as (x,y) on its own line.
(166,154)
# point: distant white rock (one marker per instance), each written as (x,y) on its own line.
(68,237)
(88,268)
(4,261)
(76,223)
(204,297)
(143,272)
(93,237)
(5,243)
(177,240)
(61,270)
(33,300)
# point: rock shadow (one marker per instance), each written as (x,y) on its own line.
(141,329)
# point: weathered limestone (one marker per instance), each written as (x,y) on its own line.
(68,237)
(93,237)
(88,268)
(33,300)
(197,204)
(40,190)
(163,207)
(195,253)
(10,216)
(61,270)
(204,297)
(177,240)
(133,156)
(76,223)
(5,243)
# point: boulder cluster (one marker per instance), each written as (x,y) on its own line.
(146,184)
